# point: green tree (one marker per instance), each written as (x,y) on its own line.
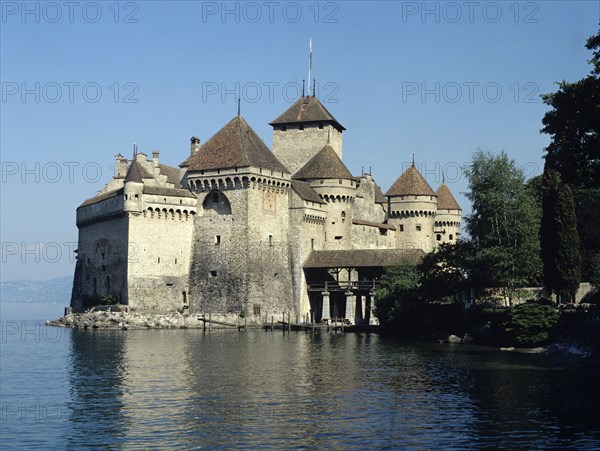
(397,293)
(504,224)
(445,272)
(574,151)
(574,126)
(568,259)
(548,232)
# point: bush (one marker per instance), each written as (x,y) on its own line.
(531,324)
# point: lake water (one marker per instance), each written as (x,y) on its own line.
(161,389)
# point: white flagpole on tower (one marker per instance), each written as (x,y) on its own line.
(309,62)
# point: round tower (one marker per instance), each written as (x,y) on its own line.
(332,181)
(412,207)
(133,188)
(448,217)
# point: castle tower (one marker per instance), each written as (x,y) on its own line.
(412,207)
(332,181)
(134,185)
(240,257)
(303,130)
(448,217)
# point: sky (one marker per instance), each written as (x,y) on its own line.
(84,81)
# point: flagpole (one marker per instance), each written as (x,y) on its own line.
(309,62)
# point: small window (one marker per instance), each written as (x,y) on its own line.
(340,181)
(257,309)
(402,227)
(343,216)
(450,237)
(439,237)
(169,284)
(312,243)
(175,261)
(338,237)
(271,240)
(301,127)
(217,240)
(158,259)
(213,274)
(418,228)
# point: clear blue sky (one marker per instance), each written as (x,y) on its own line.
(437,79)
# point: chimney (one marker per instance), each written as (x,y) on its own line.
(195,145)
(120,165)
(155,158)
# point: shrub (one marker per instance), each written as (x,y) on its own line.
(531,324)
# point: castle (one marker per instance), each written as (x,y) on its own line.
(238,229)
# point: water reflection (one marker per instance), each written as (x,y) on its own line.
(167,388)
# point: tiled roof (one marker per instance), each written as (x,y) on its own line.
(103,196)
(162,191)
(136,173)
(324,165)
(236,145)
(361,258)
(411,182)
(446,200)
(379,197)
(306,109)
(304,190)
(173,175)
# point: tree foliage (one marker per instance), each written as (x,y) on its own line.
(573,124)
(568,259)
(504,224)
(396,294)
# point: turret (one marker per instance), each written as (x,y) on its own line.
(333,182)
(134,186)
(448,217)
(302,131)
(412,207)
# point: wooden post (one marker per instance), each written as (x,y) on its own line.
(204,318)
(209,321)
(283,322)
(272,323)
(289,322)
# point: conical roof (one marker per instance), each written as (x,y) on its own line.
(410,183)
(324,165)
(306,109)
(446,200)
(136,173)
(236,145)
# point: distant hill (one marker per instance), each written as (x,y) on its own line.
(29,291)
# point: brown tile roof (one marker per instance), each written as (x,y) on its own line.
(373,224)
(411,182)
(324,165)
(362,258)
(446,200)
(173,175)
(306,109)
(379,197)
(99,197)
(236,145)
(136,173)
(162,191)
(304,190)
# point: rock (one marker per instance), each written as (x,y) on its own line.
(454,339)
(467,339)
(511,348)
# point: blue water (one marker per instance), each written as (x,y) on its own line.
(161,389)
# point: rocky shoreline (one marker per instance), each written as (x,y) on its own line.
(106,319)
